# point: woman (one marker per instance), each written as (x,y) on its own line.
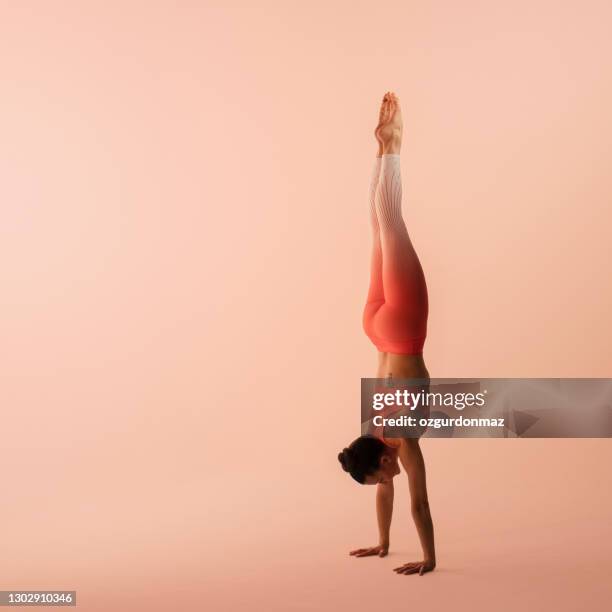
(395,319)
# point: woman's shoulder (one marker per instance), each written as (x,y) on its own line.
(393,442)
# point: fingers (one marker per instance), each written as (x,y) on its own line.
(412,568)
(409,568)
(405,566)
(368,552)
(408,571)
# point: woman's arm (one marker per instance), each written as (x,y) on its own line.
(412,460)
(384,511)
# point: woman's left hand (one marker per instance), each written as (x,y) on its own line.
(420,567)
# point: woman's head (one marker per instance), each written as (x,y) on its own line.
(369,460)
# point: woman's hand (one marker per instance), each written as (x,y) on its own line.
(419,567)
(381,551)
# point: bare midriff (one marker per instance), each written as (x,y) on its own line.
(394,366)
(401,366)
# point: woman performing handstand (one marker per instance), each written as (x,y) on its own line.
(395,320)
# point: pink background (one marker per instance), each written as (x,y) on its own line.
(183,258)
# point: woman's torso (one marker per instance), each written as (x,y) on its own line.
(391,365)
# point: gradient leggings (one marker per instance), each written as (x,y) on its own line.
(395,314)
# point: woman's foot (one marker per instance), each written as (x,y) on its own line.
(388,132)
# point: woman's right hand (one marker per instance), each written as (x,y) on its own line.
(380,551)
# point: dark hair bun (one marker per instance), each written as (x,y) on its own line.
(346,459)
(362,457)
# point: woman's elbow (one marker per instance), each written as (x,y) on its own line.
(420,508)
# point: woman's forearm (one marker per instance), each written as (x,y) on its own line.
(424,525)
(384,511)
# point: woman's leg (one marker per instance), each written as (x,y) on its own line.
(400,325)
(376,292)
(403,278)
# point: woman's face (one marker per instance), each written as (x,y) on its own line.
(388,469)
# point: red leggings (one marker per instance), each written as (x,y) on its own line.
(395,314)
